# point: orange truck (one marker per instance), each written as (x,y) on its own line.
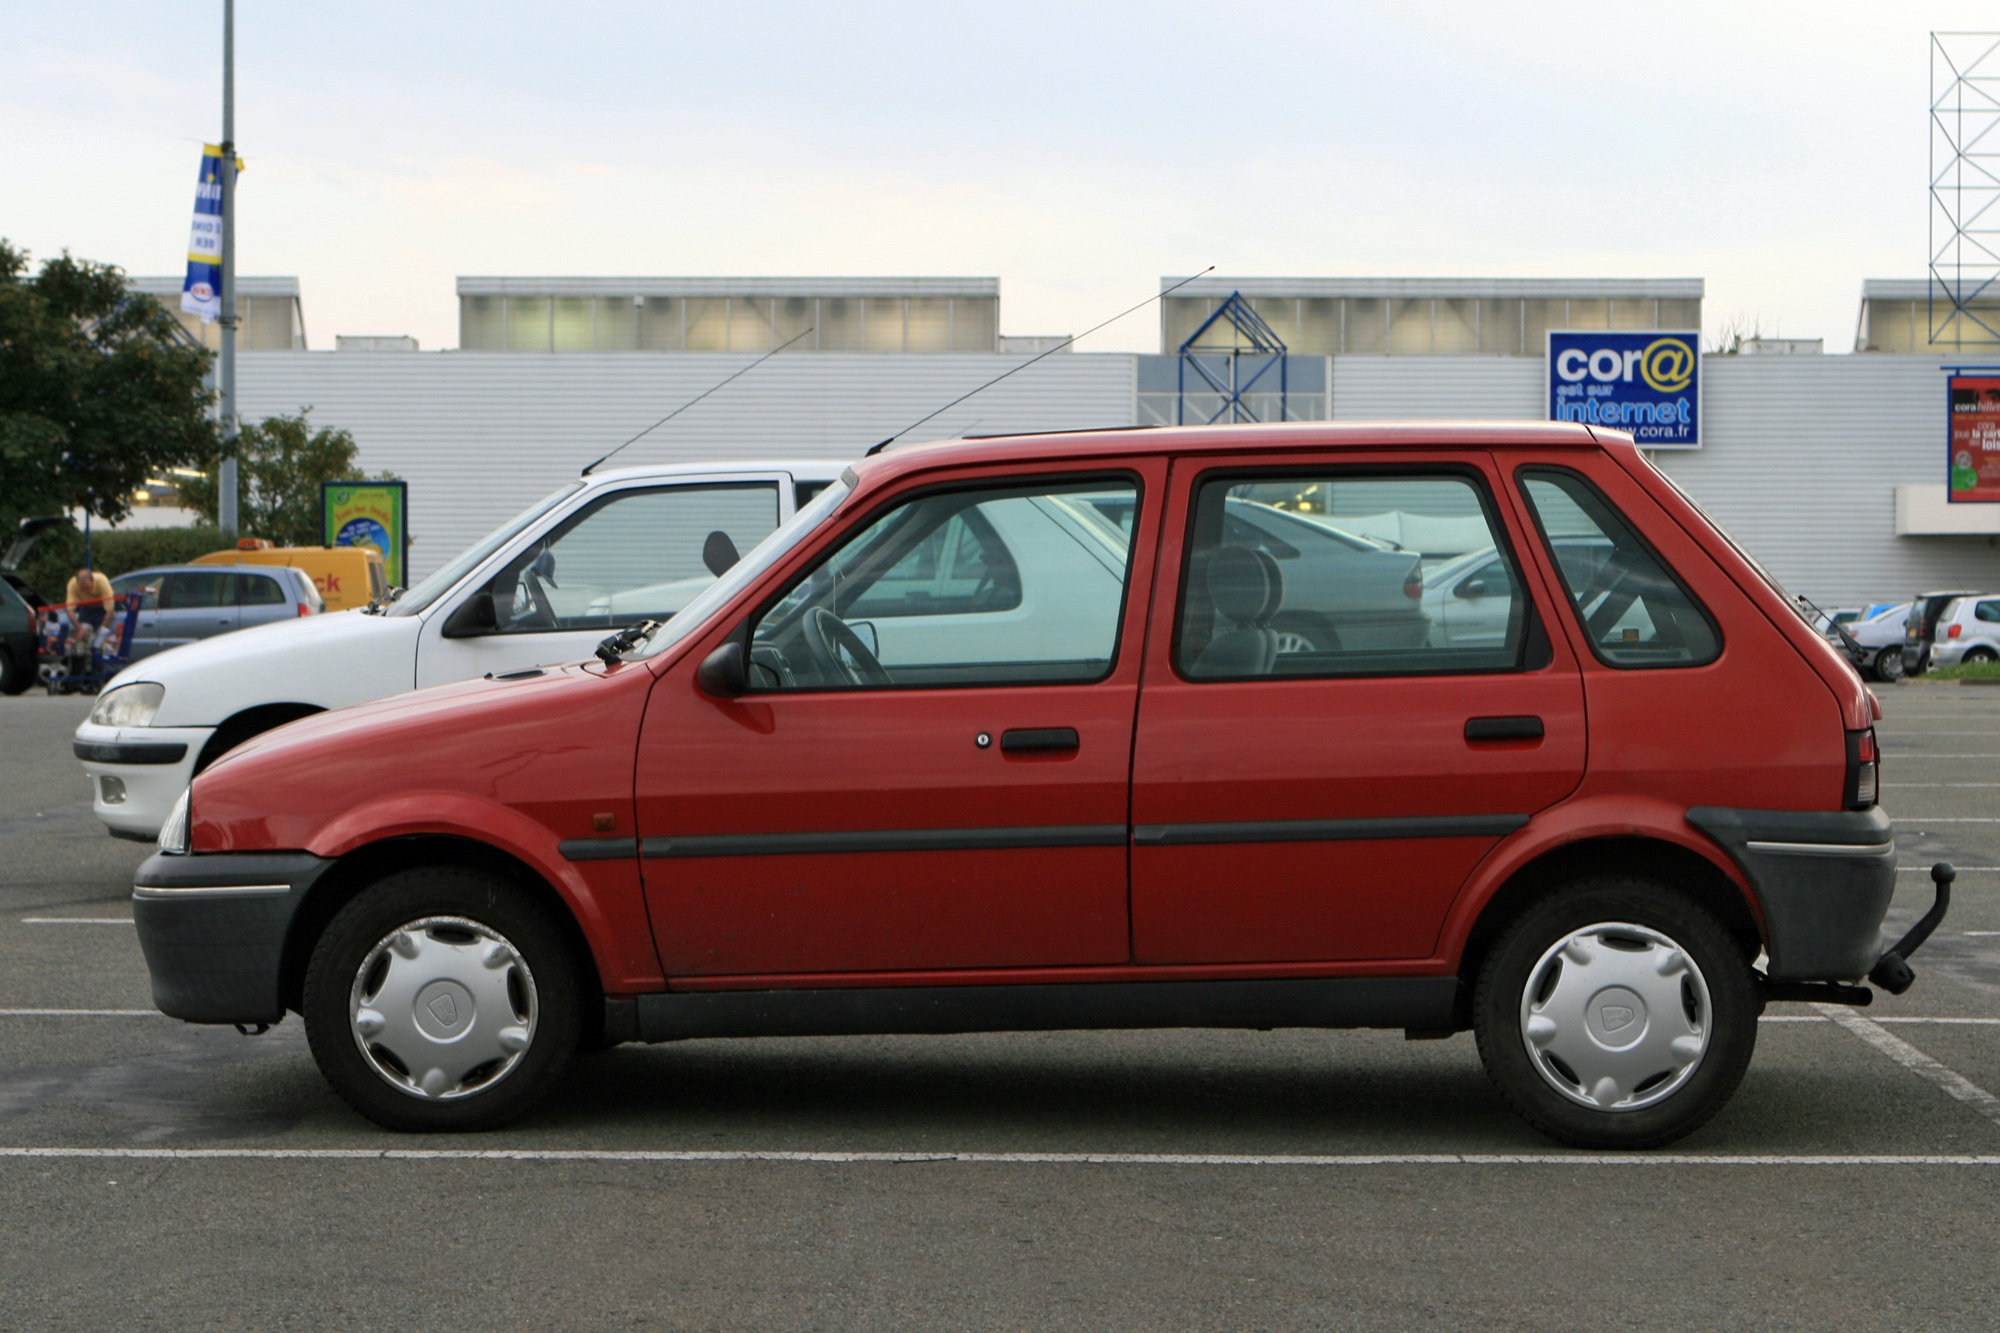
(346,576)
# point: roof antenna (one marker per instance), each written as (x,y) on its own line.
(1031,360)
(692,401)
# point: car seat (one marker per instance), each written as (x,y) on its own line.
(1246,588)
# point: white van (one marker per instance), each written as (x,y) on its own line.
(599,554)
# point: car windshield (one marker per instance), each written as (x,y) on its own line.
(740,575)
(434,587)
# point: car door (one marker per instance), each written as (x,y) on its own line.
(1329,805)
(637,553)
(261,598)
(194,604)
(953,797)
(146,630)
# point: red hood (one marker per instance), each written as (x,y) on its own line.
(556,748)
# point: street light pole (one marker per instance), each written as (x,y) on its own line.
(225,483)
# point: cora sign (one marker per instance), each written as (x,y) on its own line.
(1647,384)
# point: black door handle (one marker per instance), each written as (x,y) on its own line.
(1039,738)
(1503,728)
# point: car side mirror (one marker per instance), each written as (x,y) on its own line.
(724,673)
(474,617)
(864,630)
(1473,590)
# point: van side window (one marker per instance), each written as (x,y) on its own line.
(1342,574)
(1634,611)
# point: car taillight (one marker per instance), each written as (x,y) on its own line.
(1863,770)
(1413,586)
(305,610)
(1954,631)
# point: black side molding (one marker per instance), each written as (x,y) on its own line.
(1316,1002)
(597,849)
(129,752)
(1328,830)
(885,840)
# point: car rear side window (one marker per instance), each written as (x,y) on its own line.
(1988,612)
(258,590)
(1634,610)
(196,590)
(1338,574)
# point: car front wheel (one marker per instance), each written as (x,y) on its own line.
(1616,1013)
(442,998)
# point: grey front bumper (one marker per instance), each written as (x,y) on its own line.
(213,929)
(1823,879)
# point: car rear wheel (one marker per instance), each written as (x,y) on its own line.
(1980,655)
(1889,664)
(15,677)
(442,998)
(1616,1013)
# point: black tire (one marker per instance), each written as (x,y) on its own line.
(1719,988)
(15,677)
(1889,664)
(1980,655)
(1305,634)
(540,981)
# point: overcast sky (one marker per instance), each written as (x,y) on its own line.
(1078,151)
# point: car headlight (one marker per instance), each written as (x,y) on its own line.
(129,706)
(174,833)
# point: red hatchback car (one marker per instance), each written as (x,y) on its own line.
(1122,729)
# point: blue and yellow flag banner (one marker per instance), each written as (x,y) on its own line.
(201,293)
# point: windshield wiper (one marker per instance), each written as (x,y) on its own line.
(625,640)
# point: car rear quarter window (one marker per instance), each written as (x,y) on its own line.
(1988,612)
(1634,610)
(1322,573)
(259,590)
(196,590)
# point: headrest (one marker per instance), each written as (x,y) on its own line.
(1277,577)
(1239,584)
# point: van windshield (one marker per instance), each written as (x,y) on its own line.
(434,587)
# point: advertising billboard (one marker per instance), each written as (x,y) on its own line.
(370,513)
(1647,383)
(1973,437)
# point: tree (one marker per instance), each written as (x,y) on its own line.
(280,463)
(99,389)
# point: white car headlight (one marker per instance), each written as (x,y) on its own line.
(174,833)
(129,706)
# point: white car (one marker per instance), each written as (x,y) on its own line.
(1968,630)
(599,554)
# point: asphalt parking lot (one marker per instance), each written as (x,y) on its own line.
(156,1174)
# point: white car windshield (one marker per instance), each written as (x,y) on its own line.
(434,587)
(740,575)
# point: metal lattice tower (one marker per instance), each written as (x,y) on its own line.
(1253,351)
(1965,187)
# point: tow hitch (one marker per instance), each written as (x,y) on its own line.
(1892,971)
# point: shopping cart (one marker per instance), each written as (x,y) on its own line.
(77,658)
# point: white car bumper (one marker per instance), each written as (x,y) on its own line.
(153,765)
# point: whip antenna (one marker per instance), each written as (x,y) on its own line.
(697,398)
(1031,360)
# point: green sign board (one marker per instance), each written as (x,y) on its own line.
(370,513)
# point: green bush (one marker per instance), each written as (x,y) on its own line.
(1965,671)
(59,554)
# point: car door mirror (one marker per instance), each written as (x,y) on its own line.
(724,673)
(1472,589)
(474,617)
(864,630)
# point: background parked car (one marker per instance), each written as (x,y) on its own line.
(347,577)
(1920,626)
(1968,630)
(1881,640)
(182,603)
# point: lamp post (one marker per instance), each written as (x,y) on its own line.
(225,482)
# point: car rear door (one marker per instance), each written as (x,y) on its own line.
(1329,804)
(194,604)
(262,597)
(963,808)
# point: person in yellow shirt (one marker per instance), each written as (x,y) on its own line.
(89,598)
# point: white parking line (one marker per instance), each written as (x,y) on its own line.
(76,920)
(995,1158)
(1953,1083)
(1963,870)
(1912,785)
(81,1013)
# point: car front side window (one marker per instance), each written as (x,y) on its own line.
(989,586)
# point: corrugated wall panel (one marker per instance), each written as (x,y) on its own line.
(1437,388)
(481,436)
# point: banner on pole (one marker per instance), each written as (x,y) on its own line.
(1974,438)
(370,513)
(201,293)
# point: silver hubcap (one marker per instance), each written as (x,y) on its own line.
(443,1007)
(1615,1016)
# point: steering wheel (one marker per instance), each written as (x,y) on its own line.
(827,637)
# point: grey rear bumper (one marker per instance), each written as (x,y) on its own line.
(213,929)
(1823,879)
